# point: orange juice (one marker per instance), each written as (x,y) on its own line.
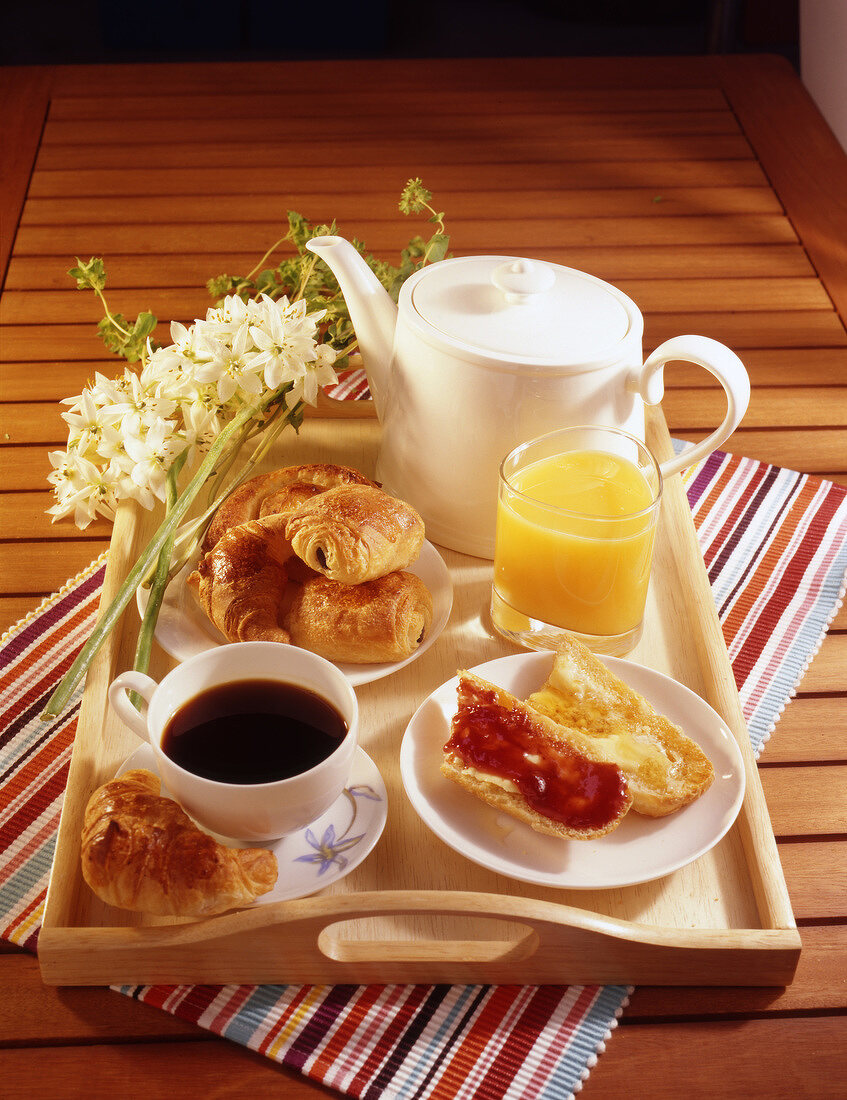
(575,540)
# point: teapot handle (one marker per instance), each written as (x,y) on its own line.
(719,361)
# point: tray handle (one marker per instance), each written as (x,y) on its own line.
(306,941)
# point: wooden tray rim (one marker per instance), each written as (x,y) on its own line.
(764,955)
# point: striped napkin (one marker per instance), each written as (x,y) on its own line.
(775,547)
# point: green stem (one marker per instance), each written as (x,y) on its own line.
(61,696)
(347,350)
(304,278)
(144,644)
(109,316)
(249,430)
(269,253)
(187,538)
(223,468)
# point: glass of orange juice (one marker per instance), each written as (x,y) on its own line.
(576,518)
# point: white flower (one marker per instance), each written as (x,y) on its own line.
(152,455)
(124,433)
(169,373)
(317,374)
(284,334)
(84,489)
(203,421)
(231,368)
(87,419)
(233,311)
(143,405)
(189,343)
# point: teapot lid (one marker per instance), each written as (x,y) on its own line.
(527,311)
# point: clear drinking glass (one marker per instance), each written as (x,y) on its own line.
(576,519)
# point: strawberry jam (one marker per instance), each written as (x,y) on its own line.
(557,782)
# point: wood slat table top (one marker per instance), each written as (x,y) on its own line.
(710,189)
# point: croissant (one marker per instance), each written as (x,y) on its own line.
(279,492)
(141,851)
(377,621)
(241,581)
(356,533)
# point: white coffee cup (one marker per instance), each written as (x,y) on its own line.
(242,811)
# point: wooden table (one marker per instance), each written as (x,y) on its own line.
(709,189)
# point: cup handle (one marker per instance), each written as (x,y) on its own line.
(719,361)
(119,698)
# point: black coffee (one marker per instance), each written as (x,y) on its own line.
(253,731)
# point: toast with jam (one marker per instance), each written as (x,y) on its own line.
(525,764)
(665,770)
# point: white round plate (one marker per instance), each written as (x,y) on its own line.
(183,629)
(329,848)
(639,850)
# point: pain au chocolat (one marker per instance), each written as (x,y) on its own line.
(524,764)
(280,492)
(356,533)
(664,768)
(141,851)
(378,621)
(254,587)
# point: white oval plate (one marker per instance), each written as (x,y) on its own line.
(639,850)
(183,629)
(327,849)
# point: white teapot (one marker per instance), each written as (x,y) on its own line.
(485,352)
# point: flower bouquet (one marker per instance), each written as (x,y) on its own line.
(176,424)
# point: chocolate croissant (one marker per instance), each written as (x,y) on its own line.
(141,851)
(356,533)
(241,581)
(279,492)
(377,621)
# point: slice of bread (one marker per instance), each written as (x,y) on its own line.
(665,769)
(524,764)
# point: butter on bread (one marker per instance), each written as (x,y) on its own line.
(665,769)
(557,788)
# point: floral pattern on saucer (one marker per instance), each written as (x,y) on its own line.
(326,849)
(329,849)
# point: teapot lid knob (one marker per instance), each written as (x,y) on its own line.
(520,280)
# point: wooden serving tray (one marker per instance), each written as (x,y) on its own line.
(415,910)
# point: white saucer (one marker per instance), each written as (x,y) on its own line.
(183,629)
(639,850)
(329,848)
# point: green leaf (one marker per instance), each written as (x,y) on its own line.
(414,198)
(437,247)
(124,339)
(266,282)
(299,230)
(111,334)
(143,327)
(89,276)
(221,285)
(303,275)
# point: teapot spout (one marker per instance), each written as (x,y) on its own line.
(373,313)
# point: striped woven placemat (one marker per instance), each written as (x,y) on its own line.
(775,546)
